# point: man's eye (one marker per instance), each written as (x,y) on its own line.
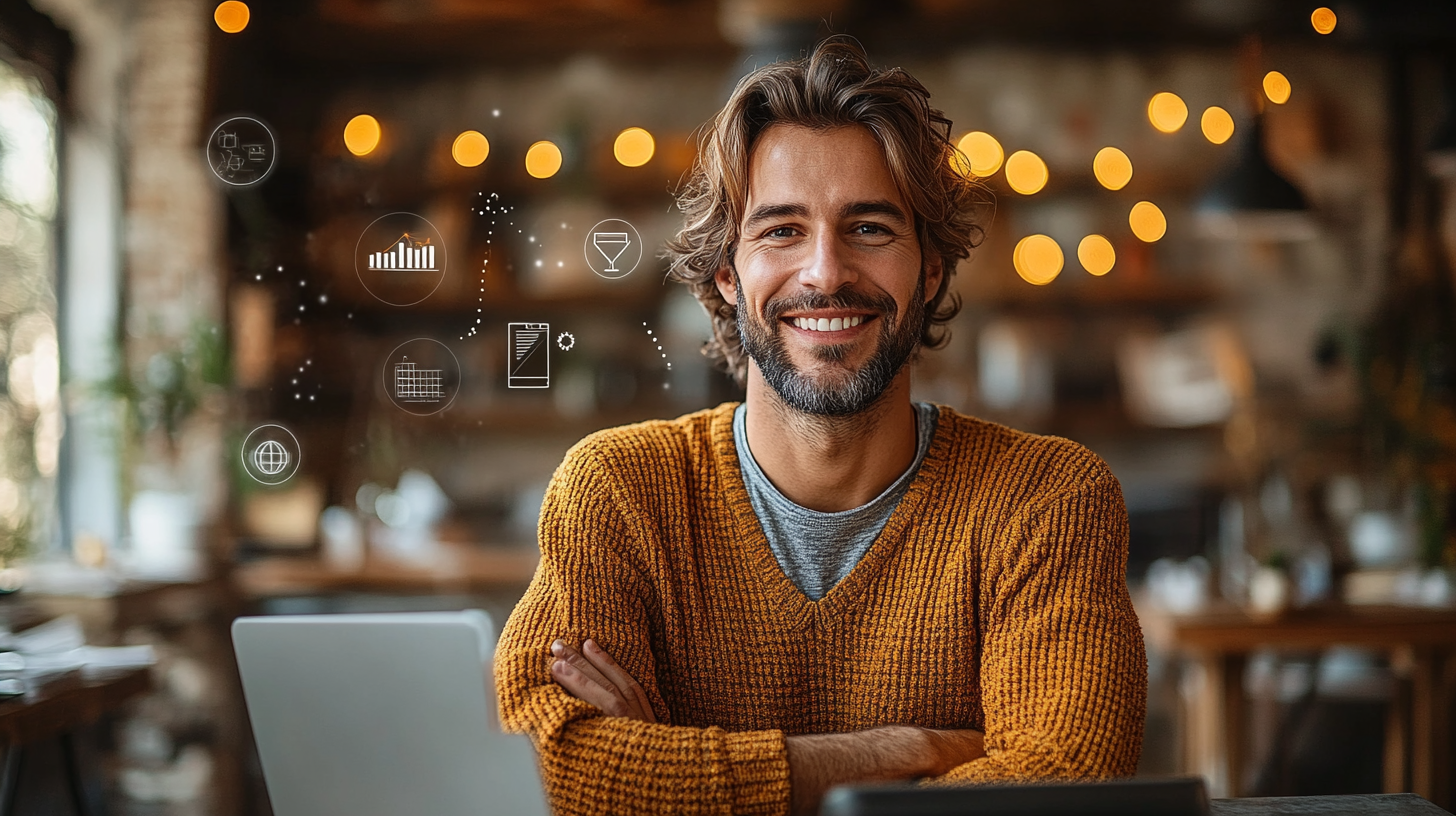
(780,232)
(870,229)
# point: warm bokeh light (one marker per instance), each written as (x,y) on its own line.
(1147,221)
(984,153)
(1276,87)
(1167,112)
(1037,259)
(1218,125)
(361,135)
(634,147)
(543,159)
(232,16)
(1323,20)
(1112,167)
(1096,254)
(1026,172)
(470,148)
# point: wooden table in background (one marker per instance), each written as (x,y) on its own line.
(54,708)
(461,568)
(1421,644)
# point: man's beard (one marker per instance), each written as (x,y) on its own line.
(834,394)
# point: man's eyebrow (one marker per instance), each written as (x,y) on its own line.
(877,207)
(766,212)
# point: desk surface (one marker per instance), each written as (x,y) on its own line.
(1375,804)
(61,702)
(459,568)
(1230,629)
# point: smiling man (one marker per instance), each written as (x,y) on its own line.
(829,583)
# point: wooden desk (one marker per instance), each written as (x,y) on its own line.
(53,709)
(1421,644)
(461,568)
(1379,804)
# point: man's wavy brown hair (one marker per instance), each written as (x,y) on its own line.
(834,86)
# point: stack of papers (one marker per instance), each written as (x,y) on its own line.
(60,646)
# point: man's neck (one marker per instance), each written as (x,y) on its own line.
(831,464)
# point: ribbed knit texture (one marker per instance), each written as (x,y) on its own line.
(994,599)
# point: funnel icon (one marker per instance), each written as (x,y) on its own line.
(618,243)
(611,245)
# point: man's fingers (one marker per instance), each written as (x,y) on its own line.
(586,689)
(626,683)
(574,659)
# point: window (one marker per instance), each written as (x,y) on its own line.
(30,405)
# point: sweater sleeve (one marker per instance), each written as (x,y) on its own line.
(1063,671)
(586,586)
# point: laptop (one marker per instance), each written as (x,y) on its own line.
(1132,797)
(382,715)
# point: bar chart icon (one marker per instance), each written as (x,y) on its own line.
(404,255)
(529,352)
(401,259)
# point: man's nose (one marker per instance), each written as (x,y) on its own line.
(828,267)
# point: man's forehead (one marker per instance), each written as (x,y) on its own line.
(818,167)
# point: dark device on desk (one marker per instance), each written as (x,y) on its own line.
(1136,797)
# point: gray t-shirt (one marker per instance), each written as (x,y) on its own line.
(816,550)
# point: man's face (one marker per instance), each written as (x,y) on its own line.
(828,273)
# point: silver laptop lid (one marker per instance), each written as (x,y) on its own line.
(382,715)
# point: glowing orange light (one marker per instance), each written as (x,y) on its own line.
(634,147)
(1147,221)
(470,148)
(983,153)
(1026,172)
(1277,87)
(362,134)
(232,16)
(1096,254)
(1112,168)
(1218,125)
(1167,112)
(1038,259)
(1323,20)
(543,159)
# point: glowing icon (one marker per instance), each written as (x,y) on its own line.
(421,376)
(405,254)
(617,243)
(566,341)
(241,151)
(270,458)
(270,454)
(413,384)
(400,258)
(611,245)
(529,355)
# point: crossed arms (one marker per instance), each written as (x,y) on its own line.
(600,722)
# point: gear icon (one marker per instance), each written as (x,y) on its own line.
(565,341)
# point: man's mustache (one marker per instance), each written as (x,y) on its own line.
(847,299)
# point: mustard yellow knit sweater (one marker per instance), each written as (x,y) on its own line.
(994,599)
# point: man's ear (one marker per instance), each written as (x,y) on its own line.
(934,272)
(726,285)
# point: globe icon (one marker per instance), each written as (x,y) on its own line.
(270,458)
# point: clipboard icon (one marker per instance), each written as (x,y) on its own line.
(528,355)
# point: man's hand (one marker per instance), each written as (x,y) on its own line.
(591,675)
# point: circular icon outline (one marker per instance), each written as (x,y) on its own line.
(384,375)
(444,258)
(566,341)
(589,245)
(272,158)
(289,471)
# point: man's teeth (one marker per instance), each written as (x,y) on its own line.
(828,324)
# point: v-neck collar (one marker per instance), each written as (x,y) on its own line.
(796,608)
